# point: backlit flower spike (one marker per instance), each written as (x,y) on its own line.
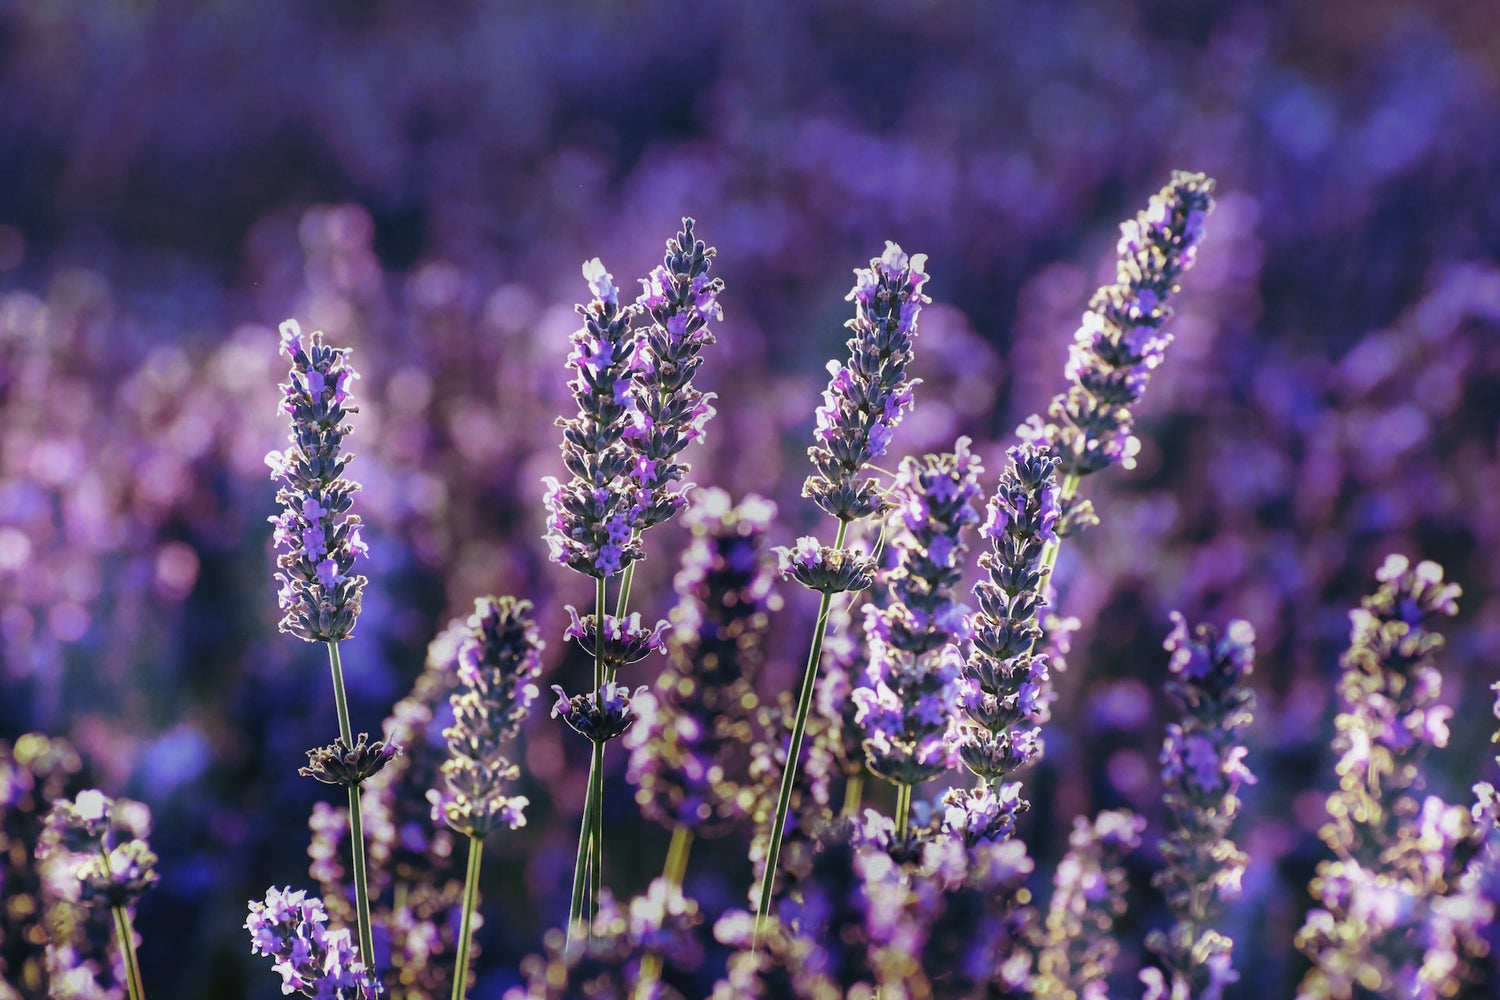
(626,640)
(1120,340)
(867,395)
(499,658)
(1006,681)
(691,745)
(1076,950)
(599,716)
(669,413)
(591,519)
(320,593)
(1402,905)
(1203,768)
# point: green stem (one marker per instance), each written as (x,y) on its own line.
(1065,493)
(789,773)
(677,856)
(581,862)
(356,827)
(126,935)
(903,808)
(673,871)
(854,792)
(466,932)
(596,835)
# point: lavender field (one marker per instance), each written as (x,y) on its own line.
(995,348)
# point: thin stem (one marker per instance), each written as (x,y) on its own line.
(854,792)
(466,932)
(789,774)
(581,862)
(126,935)
(1065,493)
(356,827)
(673,871)
(903,808)
(677,856)
(596,835)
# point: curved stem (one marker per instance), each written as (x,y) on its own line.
(466,932)
(789,773)
(356,827)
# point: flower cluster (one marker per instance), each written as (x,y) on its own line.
(104,841)
(1397,912)
(320,592)
(909,696)
(592,518)
(1006,678)
(865,398)
(824,568)
(600,715)
(668,412)
(1121,341)
(1202,770)
(498,660)
(689,753)
(661,922)
(289,928)
(1075,951)
(341,764)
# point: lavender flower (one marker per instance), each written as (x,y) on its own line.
(340,764)
(600,716)
(1202,770)
(1076,951)
(1397,911)
(825,569)
(289,928)
(498,660)
(320,592)
(865,398)
(1006,678)
(690,749)
(908,708)
(625,639)
(668,412)
(1120,341)
(592,518)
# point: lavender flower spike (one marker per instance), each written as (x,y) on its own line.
(1076,952)
(1402,908)
(865,398)
(592,518)
(668,413)
(320,592)
(498,662)
(289,928)
(1202,770)
(1006,678)
(1120,340)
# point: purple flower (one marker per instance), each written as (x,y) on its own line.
(592,517)
(825,569)
(320,594)
(600,716)
(865,398)
(1203,768)
(1120,340)
(498,659)
(1401,898)
(1077,951)
(668,413)
(625,640)
(289,928)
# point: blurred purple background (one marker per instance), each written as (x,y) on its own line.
(423,181)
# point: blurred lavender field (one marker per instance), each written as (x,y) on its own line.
(421,182)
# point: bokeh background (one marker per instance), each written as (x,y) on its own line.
(422,182)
